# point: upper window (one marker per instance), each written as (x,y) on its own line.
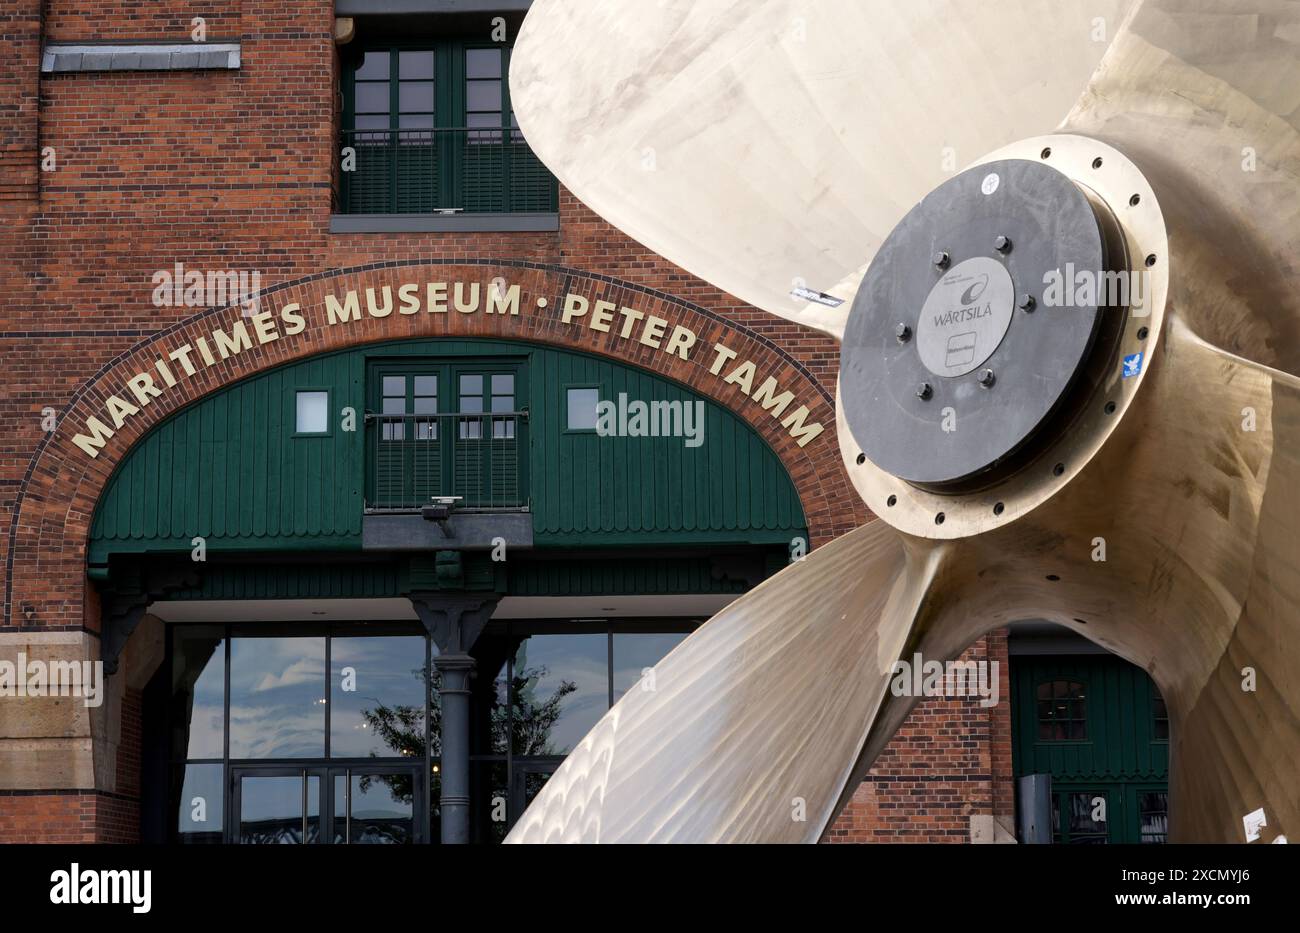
(582,402)
(430,129)
(481,393)
(484,94)
(1062,711)
(312,414)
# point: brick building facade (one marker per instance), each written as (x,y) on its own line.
(108,176)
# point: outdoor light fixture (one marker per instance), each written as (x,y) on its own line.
(1068,380)
(439,510)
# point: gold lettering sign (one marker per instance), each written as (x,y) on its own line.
(449,298)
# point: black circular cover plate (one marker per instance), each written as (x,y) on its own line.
(961,319)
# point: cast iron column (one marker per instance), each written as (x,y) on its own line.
(454,622)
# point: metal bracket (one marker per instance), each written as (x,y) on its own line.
(455,621)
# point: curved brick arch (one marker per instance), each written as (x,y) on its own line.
(55,503)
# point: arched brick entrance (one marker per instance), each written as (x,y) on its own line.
(45,564)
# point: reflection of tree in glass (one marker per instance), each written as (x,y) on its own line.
(529,726)
(401,728)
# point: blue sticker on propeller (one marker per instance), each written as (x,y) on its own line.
(1132,364)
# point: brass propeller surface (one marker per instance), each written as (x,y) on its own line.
(760,725)
(765,146)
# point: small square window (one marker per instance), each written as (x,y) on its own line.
(313,413)
(582,404)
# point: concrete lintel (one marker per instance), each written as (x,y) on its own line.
(65,57)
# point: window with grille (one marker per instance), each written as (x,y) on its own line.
(439,429)
(431,129)
(1062,711)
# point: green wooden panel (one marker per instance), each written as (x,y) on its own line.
(297,578)
(1120,762)
(605,578)
(230,469)
(1120,743)
(295,581)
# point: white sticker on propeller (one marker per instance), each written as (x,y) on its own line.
(1254,822)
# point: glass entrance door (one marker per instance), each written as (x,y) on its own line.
(1082,816)
(376,806)
(277,806)
(370,804)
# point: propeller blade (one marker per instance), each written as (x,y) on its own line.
(1206,99)
(1194,502)
(1235,744)
(770,147)
(748,730)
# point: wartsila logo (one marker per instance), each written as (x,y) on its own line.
(968,310)
(972,294)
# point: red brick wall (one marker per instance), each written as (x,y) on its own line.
(233,170)
(129,746)
(950,760)
(68,816)
(20,39)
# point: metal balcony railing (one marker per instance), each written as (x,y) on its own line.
(478,457)
(447,169)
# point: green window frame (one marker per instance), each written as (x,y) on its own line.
(483,457)
(1062,711)
(567,388)
(432,129)
(329,421)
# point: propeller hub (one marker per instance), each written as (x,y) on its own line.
(965,317)
(1008,230)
